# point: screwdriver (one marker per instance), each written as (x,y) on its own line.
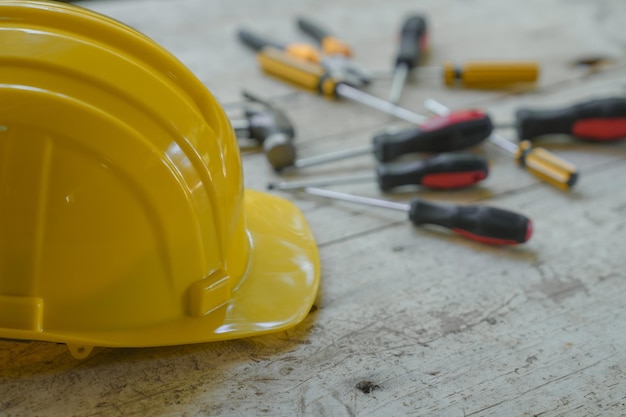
(599,120)
(447,133)
(337,54)
(485,74)
(413,41)
(315,78)
(303,51)
(330,44)
(538,161)
(482,224)
(337,65)
(443,172)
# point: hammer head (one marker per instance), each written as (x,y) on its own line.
(274,131)
(279,150)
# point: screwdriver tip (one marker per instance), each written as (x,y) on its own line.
(271,186)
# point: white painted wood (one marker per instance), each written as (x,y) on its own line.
(409,321)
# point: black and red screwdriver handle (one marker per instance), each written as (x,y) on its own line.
(483,224)
(413,41)
(443,172)
(457,130)
(597,120)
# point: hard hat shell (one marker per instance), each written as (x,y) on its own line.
(123,218)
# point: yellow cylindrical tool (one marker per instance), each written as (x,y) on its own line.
(490,74)
(546,166)
(303,74)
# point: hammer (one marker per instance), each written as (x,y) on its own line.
(271,128)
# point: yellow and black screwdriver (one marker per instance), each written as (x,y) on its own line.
(538,161)
(337,54)
(315,78)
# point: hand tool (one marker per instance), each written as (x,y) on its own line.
(482,224)
(413,41)
(485,74)
(303,51)
(538,161)
(315,78)
(338,53)
(271,128)
(454,131)
(445,171)
(336,65)
(599,120)
(330,44)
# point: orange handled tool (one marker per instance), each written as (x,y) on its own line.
(329,43)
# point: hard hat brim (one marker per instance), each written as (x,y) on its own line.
(277,292)
(278,289)
(284,272)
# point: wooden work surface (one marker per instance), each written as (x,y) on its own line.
(408,321)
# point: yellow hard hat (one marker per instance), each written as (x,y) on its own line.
(123,218)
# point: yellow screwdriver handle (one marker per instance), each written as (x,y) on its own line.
(303,74)
(546,166)
(490,74)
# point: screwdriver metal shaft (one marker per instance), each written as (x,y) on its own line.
(297,185)
(332,156)
(321,192)
(354,94)
(400,75)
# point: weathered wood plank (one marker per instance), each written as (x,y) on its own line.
(408,321)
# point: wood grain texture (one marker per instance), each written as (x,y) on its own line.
(409,322)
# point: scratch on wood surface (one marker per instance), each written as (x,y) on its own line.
(456,324)
(553,285)
(570,309)
(326,403)
(552,381)
(557,289)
